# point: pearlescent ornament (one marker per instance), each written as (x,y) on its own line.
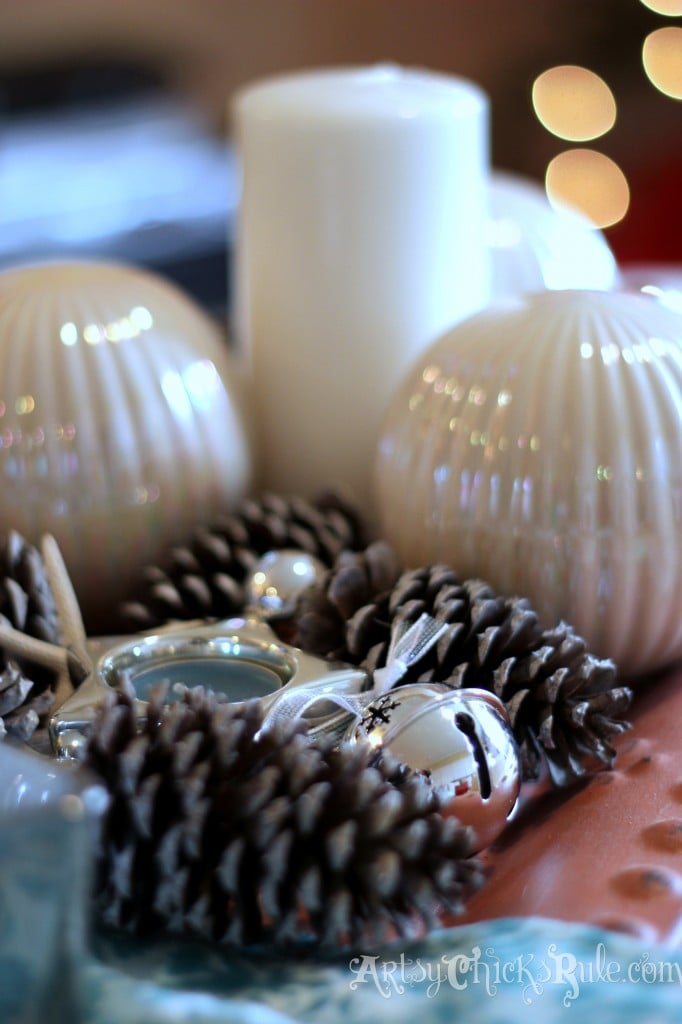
(534,245)
(539,446)
(462,738)
(120,420)
(278,578)
(661,282)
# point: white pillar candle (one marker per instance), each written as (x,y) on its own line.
(361,237)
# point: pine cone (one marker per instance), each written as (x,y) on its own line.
(238,836)
(204,577)
(323,610)
(563,702)
(26,603)
(486,627)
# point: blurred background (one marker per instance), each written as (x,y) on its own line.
(115,130)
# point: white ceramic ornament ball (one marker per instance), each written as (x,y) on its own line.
(121,423)
(660,282)
(538,445)
(535,245)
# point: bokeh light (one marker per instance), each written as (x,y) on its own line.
(662,59)
(590,182)
(670,8)
(573,103)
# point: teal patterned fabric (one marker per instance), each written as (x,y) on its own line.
(530,971)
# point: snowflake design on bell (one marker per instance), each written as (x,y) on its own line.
(377,713)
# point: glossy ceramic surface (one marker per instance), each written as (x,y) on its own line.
(539,446)
(47,819)
(661,282)
(120,423)
(623,874)
(534,245)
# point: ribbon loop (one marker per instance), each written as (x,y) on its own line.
(294,703)
(409,642)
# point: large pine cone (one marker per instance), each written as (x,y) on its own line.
(27,604)
(239,836)
(204,578)
(564,704)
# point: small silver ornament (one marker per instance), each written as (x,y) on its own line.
(277,580)
(462,738)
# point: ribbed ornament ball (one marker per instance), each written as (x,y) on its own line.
(121,421)
(538,445)
(534,244)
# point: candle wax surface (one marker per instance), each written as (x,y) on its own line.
(383,91)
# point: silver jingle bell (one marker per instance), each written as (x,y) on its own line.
(462,738)
(277,580)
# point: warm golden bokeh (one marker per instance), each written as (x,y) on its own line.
(670,8)
(574,103)
(590,182)
(662,59)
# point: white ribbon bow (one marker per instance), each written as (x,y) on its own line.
(409,642)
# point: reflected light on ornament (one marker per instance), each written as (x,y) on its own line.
(69,334)
(590,182)
(573,103)
(662,59)
(24,404)
(669,8)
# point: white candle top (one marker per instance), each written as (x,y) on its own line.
(381,91)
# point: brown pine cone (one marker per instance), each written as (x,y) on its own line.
(204,578)
(356,579)
(239,836)
(26,599)
(27,604)
(564,704)
(485,626)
